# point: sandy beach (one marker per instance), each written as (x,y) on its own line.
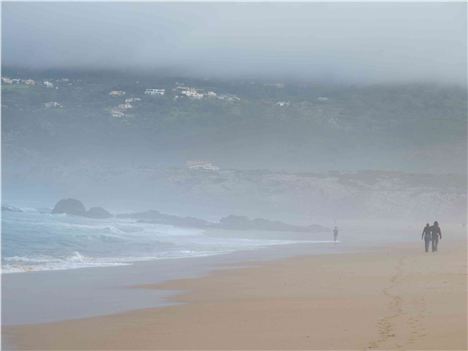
(393,298)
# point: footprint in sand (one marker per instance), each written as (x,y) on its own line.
(411,312)
(385,325)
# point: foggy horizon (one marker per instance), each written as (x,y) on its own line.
(358,43)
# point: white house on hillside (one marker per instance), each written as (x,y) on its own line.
(53,104)
(117,93)
(48,84)
(158,92)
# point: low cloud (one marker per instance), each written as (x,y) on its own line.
(350,42)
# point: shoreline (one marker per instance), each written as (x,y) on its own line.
(382,298)
(95,291)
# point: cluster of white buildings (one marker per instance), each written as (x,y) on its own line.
(125,106)
(6,80)
(191,93)
(198,94)
(117,113)
(32,82)
(179,91)
(132,99)
(121,109)
(117,93)
(155,92)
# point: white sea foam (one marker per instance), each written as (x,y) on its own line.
(19,264)
(33,241)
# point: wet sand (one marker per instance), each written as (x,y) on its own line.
(395,298)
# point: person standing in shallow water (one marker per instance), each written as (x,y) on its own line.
(335,234)
(427,236)
(436,235)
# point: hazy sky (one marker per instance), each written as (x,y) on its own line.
(358,42)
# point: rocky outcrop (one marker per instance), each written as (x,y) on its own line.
(70,207)
(229,223)
(153,216)
(76,208)
(98,212)
(245,223)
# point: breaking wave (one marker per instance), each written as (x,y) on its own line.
(34,241)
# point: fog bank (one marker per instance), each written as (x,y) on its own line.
(350,42)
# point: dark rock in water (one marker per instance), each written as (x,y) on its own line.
(70,206)
(76,208)
(98,212)
(8,208)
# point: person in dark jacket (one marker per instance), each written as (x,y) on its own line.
(335,234)
(427,236)
(436,234)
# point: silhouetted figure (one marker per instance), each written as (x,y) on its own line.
(436,235)
(335,234)
(427,236)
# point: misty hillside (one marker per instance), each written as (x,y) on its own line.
(212,193)
(213,148)
(58,119)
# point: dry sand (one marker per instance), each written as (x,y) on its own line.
(399,298)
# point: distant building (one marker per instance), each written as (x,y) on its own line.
(29,82)
(117,93)
(283,103)
(192,93)
(133,99)
(48,84)
(6,80)
(116,113)
(125,106)
(157,92)
(53,104)
(204,165)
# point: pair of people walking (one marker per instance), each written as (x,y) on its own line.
(431,234)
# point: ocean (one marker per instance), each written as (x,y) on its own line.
(35,241)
